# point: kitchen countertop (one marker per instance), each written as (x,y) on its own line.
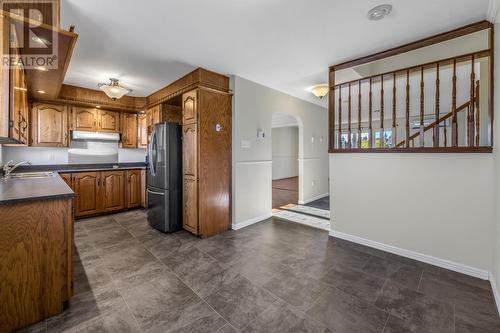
(15,190)
(81,167)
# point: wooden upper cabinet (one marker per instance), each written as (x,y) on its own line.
(129,130)
(113,184)
(189,107)
(49,125)
(142,131)
(134,188)
(156,114)
(153,117)
(87,119)
(109,121)
(4,79)
(19,110)
(84,119)
(87,186)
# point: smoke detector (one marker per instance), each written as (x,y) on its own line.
(379,12)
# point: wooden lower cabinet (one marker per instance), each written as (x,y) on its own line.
(67,179)
(190,211)
(134,188)
(36,261)
(87,187)
(106,191)
(113,190)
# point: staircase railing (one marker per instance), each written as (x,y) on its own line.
(372,99)
(432,125)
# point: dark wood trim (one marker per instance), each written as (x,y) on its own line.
(416,150)
(435,39)
(200,77)
(331,112)
(429,65)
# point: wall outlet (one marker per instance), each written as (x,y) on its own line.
(313,183)
(312,139)
(52,157)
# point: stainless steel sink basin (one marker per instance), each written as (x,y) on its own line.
(31,175)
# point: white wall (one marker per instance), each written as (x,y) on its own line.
(440,205)
(253,107)
(285,141)
(47,156)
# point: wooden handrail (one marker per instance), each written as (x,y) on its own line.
(431,125)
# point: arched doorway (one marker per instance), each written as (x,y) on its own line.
(286,146)
(288,174)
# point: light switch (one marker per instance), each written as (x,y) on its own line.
(312,139)
(260,134)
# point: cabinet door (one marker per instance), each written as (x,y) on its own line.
(190,213)
(68,179)
(109,121)
(49,125)
(144,196)
(19,105)
(189,107)
(190,175)
(88,193)
(4,79)
(190,151)
(84,119)
(113,187)
(142,140)
(129,130)
(134,188)
(153,117)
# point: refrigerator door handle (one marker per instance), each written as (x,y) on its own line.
(153,192)
(153,146)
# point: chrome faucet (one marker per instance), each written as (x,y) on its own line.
(9,167)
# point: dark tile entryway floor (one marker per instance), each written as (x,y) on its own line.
(323,203)
(274,276)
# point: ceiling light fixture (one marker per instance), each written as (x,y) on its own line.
(113,89)
(41,91)
(379,12)
(320,90)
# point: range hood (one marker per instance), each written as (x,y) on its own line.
(93,147)
(95,136)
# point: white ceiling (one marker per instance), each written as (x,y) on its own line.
(283,44)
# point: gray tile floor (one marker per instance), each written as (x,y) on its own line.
(323,203)
(274,276)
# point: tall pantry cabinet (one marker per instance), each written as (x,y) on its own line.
(206,130)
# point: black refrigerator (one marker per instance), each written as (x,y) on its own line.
(164,177)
